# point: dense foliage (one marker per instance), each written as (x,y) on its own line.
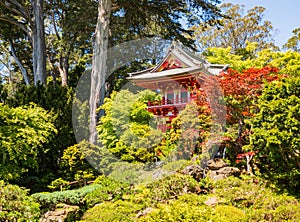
(16,205)
(287,62)
(125,129)
(38,149)
(23,131)
(275,135)
(232,199)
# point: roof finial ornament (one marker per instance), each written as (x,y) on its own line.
(174,44)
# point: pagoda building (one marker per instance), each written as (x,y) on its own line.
(175,79)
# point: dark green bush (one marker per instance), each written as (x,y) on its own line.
(172,186)
(72,197)
(108,189)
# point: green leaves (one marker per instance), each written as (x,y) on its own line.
(23,131)
(15,205)
(125,129)
(276,132)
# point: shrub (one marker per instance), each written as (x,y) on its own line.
(59,184)
(108,189)
(188,207)
(257,200)
(276,133)
(15,205)
(73,197)
(171,187)
(112,211)
(228,213)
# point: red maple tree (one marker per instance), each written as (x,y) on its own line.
(241,90)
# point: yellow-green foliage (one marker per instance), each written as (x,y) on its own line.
(125,129)
(23,131)
(112,212)
(276,133)
(15,205)
(256,200)
(74,165)
(174,199)
(288,62)
(191,207)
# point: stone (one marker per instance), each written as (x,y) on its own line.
(144,212)
(223,173)
(229,171)
(195,171)
(59,215)
(212,201)
(216,164)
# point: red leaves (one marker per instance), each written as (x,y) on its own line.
(242,156)
(248,82)
(242,89)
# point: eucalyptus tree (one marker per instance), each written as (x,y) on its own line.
(69,27)
(237,28)
(28,16)
(293,42)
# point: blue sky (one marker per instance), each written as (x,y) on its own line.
(283,14)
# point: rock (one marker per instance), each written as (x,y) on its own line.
(144,212)
(195,171)
(212,201)
(195,159)
(223,173)
(216,164)
(229,171)
(59,212)
(59,215)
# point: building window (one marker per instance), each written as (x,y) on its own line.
(183,97)
(170,98)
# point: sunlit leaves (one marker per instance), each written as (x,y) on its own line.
(242,89)
(23,132)
(276,132)
(125,130)
(15,205)
(238,28)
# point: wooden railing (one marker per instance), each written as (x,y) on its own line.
(168,102)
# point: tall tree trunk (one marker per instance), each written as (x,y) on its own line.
(38,42)
(99,67)
(19,63)
(63,68)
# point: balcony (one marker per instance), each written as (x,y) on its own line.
(168,102)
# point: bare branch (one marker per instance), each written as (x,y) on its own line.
(19,63)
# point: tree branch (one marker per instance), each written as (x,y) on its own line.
(14,22)
(20,11)
(22,68)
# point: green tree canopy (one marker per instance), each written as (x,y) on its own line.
(125,130)
(293,43)
(287,62)
(276,132)
(237,28)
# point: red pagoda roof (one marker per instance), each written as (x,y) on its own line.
(177,62)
